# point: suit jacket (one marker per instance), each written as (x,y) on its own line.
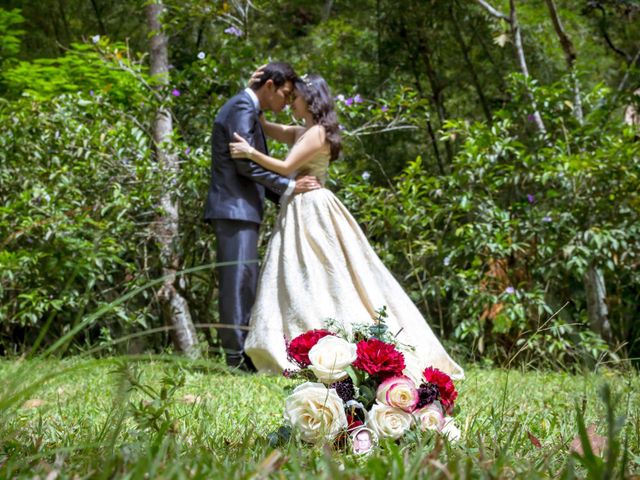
(237,187)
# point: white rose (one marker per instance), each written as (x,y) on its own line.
(430,417)
(388,422)
(316,412)
(330,357)
(450,430)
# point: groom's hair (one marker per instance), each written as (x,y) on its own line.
(278,72)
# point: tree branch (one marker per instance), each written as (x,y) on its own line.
(567,45)
(570,57)
(496,13)
(603,28)
(472,70)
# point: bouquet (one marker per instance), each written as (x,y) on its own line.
(362,386)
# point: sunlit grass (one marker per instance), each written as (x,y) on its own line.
(108,418)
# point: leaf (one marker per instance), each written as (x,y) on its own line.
(536,443)
(501,39)
(353,375)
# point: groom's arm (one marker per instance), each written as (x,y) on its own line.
(242,121)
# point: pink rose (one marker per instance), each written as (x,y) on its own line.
(399,392)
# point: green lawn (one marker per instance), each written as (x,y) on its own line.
(108,418)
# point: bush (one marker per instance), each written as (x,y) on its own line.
(495,251)
(78,189)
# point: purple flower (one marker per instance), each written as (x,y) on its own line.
(349,101)
(175,92)
(187,151)
(366,175)
(358,98)
(91,93)
(341,127)
(531,198)
(531,118)
(547,219)
(201,55)
(384,108)
(509,290)
(233,31)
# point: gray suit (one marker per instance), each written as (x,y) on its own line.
(235,204)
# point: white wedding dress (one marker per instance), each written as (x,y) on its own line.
(319,265)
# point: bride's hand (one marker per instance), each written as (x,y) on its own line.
(255,76)
(240,148)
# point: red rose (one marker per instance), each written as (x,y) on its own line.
(298,348)
(353,423)
(448,393)
(379,358)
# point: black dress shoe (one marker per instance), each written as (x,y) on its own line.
(241,362)
(247,365)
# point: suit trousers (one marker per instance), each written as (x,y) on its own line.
(237,241)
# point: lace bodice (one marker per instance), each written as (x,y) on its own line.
(318,166)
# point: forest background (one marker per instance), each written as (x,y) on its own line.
(491,155)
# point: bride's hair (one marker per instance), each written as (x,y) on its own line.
(315,92)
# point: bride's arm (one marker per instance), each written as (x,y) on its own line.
(282,133)
(303,151)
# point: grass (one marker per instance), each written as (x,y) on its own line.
(171,418)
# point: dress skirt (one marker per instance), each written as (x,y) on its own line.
(319,265)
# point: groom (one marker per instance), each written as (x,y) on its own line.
(235,201)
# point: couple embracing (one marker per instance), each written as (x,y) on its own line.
(318,264)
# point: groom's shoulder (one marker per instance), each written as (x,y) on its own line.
(237,101)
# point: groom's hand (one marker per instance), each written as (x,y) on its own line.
(306,183)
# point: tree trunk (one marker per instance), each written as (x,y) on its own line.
(512,20)
(430,130)
(570,57)
(101,28)
(65,23)
(437,86)
(517,40)
(472,70)
(597,309)
(594,285)
(175,309)
(326,10)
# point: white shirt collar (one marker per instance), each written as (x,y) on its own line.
(254,97)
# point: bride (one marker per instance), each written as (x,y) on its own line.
(319,264)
